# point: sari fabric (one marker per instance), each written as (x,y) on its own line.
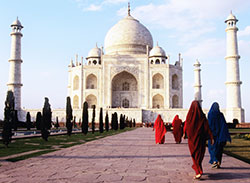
(160,130)
(218,126)
(177,129)
(198,132)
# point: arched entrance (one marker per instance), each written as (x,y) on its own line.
(124,90)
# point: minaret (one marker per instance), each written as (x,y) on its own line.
(233,74)
(197,82)
(15,60)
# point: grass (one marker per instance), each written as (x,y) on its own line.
(54,143)
(239,130)
(239,148)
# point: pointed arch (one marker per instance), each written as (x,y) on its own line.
(158,101)
(91,82)
(91,100)
(175,101)
(124,90)
(76,83)
(75,102)
(158,81)
(175,82)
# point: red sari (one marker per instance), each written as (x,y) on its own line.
(177,129)
(160,130)
(198,132)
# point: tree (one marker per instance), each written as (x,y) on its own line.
(85,118)
(112,121)
(101,121)
(15,120)
(107,122)
(130,123)
(69,116)
(28,121)
(121,122)
(127,122)
(134,123)
(38,120)
(115,121)
(57,123)
(47,114)
(93,120)
(46,120)
(9,113)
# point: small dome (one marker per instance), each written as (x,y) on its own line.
(157,51)
(94,52)
(17,23)
(231,17)
(128,36)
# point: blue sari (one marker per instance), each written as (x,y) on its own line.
(218,126)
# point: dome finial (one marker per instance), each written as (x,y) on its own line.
(128,8)
(96,45)
(157,43)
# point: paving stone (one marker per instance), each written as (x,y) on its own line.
(127,157)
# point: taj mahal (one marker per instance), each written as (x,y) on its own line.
(132,75)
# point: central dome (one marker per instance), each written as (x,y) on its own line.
(128,36)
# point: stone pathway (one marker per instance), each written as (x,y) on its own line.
(127,157)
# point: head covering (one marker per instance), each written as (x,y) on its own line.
(160,129)
(177,128)
(217,124)
(194,121)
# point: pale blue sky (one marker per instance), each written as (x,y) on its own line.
(55,30)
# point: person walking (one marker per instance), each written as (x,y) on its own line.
(160,130)
(218,126)
(177,129)
(198,132)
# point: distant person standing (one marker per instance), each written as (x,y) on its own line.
(198,132)
(218,126)
(177,129)
(160,130)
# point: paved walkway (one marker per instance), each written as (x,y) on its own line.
(127,157)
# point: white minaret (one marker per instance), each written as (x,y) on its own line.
(233,73)
(197,81)
(15,60)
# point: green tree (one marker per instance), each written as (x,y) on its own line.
(101,121)
(121,122)
(57,123)
(69,116)
(9,114)
(85,118)
(28,121)
(107,122)
(38,120)
(115,121)
(93,120)
(134,123)
(46,120)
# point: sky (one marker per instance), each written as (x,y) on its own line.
(56,30)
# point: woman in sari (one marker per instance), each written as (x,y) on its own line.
(177,129)
(160,130)
(218,126)
(198,132)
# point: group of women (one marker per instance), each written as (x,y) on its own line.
(198,130)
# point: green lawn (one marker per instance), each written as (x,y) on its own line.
(239,148)
(37,146)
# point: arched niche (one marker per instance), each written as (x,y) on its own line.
(175,101)
(91,82)
(91,100)
(158,81)
(175,82)
(76,102)
(124,86)
(76,83)
(158,101)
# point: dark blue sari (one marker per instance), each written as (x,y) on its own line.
(218,126)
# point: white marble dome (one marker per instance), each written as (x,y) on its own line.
(157,51)
(94,52)
(128,36)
